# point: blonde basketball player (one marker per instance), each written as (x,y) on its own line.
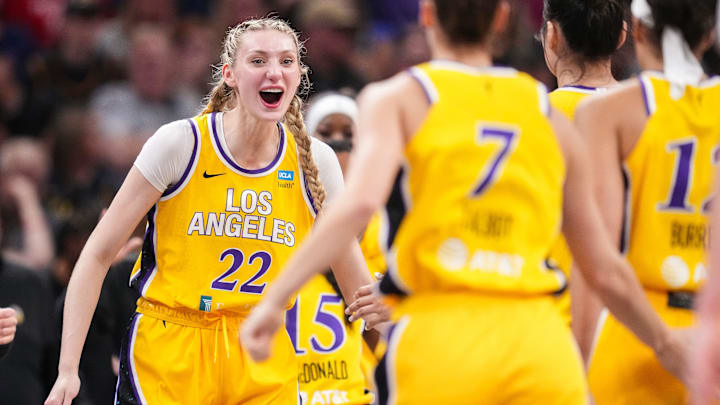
(655,145)
(485,163)
(228,195)
(579,38)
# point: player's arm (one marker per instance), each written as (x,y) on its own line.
(350,269)
(131,203)
(599,260)
(596,122)
(374,165)
(706,362)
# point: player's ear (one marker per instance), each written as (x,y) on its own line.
(427,16)
(229,76)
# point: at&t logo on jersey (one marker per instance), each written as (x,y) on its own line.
(287,175)
(205,303)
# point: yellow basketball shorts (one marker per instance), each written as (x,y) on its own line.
(189,357)
(622,370)
(470,349)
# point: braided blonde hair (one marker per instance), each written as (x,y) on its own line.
(223,98)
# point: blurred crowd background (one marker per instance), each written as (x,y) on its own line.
(83,84)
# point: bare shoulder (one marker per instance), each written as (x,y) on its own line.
(617,98)
(397,89)
(621,110)
(565,133)
(401,96)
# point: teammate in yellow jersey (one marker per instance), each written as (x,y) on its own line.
(579,38)
(228,196)
(706,364)
(328,346)
(487,163)
(655,144)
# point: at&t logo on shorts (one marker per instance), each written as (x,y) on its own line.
(205,303)
(287,175)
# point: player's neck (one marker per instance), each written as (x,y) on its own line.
(470,56)
(253,143)
(591,75)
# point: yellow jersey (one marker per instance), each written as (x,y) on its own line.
(479,201)
(566,99)
(669,175)
(327,346)
(219,235)
(370,246)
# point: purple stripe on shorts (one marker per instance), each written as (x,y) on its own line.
(235,166)
(189,166)
(131,334)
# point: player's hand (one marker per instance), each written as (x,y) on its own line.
(368,306)
(8,324)
(674,354)
(258,330)
(706,365)
(65,389)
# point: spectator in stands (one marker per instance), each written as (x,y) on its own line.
(28,370)
(23,175)
(8,325)
(330,27)
(129,112)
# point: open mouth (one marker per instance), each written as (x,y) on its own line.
(271,97)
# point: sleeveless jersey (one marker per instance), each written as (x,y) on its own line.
(370,246)
(479,200)
(566,99)
(670,176)
(217,237)
(327,346)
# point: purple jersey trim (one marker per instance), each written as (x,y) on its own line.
(229,161)
(577,86)
(645,96)
(149,233)
(309,194)
(420,81)
(186,173)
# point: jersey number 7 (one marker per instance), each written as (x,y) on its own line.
(508,140)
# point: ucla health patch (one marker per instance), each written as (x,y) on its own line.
(287,175)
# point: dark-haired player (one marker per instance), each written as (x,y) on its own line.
(579,39)
(655,147)
(488,171)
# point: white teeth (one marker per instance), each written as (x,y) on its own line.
(272,91)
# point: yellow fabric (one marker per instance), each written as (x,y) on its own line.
(370,246)
(566,100)
(327,374)
(667,240)
(624,371)
(224,235)
(498,241)
(473,349)
(172,351)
